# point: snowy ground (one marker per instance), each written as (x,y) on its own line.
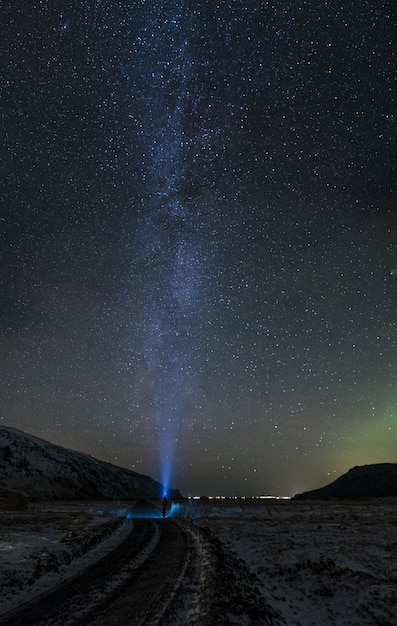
(316,563)
(328,563)
(48,544)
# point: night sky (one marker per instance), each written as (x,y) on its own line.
(198,229)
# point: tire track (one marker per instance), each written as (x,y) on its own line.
(64,604)
(153,591)
(165,573)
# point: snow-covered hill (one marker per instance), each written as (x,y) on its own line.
(36,469)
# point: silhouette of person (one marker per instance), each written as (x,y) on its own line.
(165,502)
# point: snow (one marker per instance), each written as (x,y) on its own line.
(313,562)
(34,468)
(330,563)
(45,546)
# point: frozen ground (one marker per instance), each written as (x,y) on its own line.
(316,563)
(48,544)
(313,563)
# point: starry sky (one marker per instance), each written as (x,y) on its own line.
(198,233)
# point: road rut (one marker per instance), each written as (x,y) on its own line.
(136,583)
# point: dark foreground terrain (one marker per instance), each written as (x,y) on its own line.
(138,571)
(208,563)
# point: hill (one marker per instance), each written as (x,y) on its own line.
(37,469)
(365,481)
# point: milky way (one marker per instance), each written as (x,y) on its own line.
(198,237)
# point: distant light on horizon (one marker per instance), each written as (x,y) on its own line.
(220,497)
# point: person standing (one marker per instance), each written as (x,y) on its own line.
(165,502)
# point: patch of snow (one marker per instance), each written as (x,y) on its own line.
(331,563)
(309,562)
(40,550)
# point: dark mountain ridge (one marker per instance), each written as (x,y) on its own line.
(366,481)
(37,469)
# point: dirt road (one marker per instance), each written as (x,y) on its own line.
(153,591)
(165,572)
(137,583)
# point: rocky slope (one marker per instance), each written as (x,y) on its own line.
(36,469)
(366,481)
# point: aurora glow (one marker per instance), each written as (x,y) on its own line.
(199,237)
